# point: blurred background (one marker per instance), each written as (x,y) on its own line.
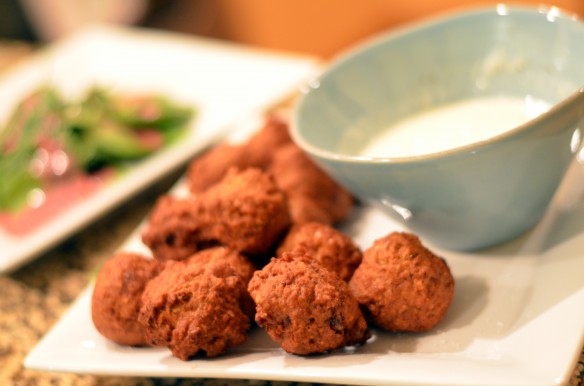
(316,27)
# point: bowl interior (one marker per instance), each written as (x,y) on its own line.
(499,51)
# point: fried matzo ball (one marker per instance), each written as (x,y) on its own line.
(304,307)
(199,306)
(312,194)
(245,211)
(117,297)
(402,285)
(261,147)
(257,152)
(327,245)
(208,169)
(172,229)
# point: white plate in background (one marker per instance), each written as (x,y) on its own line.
(224,82)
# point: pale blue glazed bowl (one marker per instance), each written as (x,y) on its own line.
(477,195)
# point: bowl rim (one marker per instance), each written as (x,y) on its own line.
(500,9)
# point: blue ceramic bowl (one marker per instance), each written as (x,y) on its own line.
(475,195)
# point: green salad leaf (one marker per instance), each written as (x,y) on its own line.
(101,129)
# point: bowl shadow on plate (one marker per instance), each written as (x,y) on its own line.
(520,273)
(497,289)
(453,334)
(493,310)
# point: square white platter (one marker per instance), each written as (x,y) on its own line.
(517,319)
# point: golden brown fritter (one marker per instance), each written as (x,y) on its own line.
(199,306)
(211,167)
(304,307)
(257,152)
(117,294)
(327,245)
(403,285)
(224,262)
(261,147)
(313,195)
(245,211)
(172,229)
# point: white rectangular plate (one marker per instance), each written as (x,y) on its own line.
(225,83)
(517,319)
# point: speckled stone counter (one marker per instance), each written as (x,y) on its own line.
(33,298)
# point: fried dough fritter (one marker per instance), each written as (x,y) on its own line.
(403,285)
(245,211)
(313,195)
(210,168)
(117,297)
(199,306)
(327,245)
(257,152)
(172,229)
(260,147)
(304,307)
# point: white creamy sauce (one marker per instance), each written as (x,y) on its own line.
(453,125)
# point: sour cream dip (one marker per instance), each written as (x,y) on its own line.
(453,125)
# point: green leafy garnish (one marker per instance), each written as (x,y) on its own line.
(102,129)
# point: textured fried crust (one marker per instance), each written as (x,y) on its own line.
(245,211)
(224,262)
(257,152)
(199,306)
(304,307)
(313,195)
(211,167)
(171,233)
(117,295)
(327,245)
(403,285)
(260,148)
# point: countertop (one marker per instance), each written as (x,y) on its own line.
(34,297)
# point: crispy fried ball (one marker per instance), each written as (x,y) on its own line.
(225,262)
(116,298)
(245,211)
(304,307)
(257,152)
(327,245)
(172,229)
(403,285)
(199,306)
(261,147)
(313,195)
(211,167)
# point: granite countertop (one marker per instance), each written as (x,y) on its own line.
(33,298)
